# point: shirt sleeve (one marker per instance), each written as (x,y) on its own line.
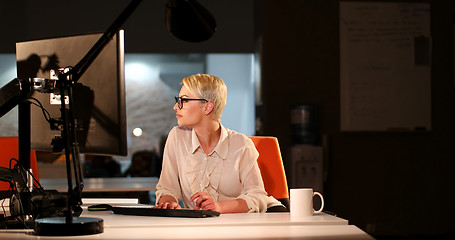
(168,183)
(253,191)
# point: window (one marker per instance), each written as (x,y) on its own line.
(152,81)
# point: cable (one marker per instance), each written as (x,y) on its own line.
(37,103)
(35,181)
(17,196)
(3,202)
(17,208)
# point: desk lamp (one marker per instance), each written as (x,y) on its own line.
(185,19)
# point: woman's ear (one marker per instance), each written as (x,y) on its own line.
(208,108)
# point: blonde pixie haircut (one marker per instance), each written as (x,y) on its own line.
(210,88)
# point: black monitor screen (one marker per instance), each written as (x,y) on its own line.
(98,97)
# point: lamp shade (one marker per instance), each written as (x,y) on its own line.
(189,21)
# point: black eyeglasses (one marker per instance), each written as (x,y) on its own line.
(180,101)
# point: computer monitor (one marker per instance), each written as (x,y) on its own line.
(98,97)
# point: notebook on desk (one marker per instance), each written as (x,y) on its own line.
(141,210)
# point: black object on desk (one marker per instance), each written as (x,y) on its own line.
(100,207)
(158,212)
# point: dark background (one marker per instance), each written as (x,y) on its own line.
(390,184)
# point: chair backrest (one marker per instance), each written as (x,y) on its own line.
(271,166)
(9,148)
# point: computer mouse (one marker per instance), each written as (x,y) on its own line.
(100,207)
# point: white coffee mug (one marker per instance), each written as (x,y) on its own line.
(301,201)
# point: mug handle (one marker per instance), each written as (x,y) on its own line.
(322,202)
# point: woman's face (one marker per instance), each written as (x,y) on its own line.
(191,112)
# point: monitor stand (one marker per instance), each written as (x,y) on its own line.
(59,226)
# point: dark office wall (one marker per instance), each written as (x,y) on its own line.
(389,184)
(145,31)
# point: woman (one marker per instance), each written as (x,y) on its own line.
(206,165)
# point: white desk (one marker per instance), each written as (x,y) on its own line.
(226,226)
(245,219)
(137,184)
(330,232)
(137,187)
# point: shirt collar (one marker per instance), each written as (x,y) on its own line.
(221,147)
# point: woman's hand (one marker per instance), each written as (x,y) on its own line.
(168,202)
(205,202)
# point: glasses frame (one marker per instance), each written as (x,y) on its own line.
(181,100)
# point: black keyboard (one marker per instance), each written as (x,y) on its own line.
(149,211)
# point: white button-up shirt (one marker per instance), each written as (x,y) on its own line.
(229,172)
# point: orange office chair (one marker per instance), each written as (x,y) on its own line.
(272,169)
(9,148)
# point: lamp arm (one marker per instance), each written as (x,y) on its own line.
(78,70)
(13,93)
(66,81)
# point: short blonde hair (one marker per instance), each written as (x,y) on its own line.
(209,87)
